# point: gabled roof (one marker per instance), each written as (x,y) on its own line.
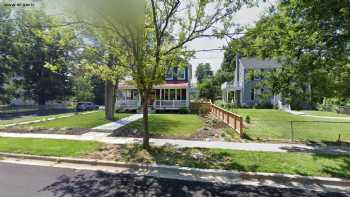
(254,62)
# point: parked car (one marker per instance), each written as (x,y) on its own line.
(84,106)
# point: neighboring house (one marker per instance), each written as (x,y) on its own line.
(173,94)
(243,91)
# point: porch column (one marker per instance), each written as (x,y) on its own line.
(175,99)
(175,94)
(139,99)
(188,97)
(160,97)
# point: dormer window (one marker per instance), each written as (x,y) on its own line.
(181,74)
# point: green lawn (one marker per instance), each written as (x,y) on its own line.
(251,161)
(47,147)
(79,121)
(323,113)
(28,118)
(275,124)
(170,125)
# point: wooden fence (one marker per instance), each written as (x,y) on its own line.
(231,119)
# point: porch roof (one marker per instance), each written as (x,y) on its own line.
(125,85)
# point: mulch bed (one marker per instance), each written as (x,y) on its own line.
(67,131)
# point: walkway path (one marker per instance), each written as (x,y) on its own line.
(194,144)
(120,123)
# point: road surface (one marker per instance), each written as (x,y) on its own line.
(36,181)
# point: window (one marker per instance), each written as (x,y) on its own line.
(158,94)
(183,94)
(166,94)
(169,74)
(181,74)
(252,94)
(131,94)
(178,94)
(172,94)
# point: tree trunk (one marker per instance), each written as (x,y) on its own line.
(145,142)
(110,99)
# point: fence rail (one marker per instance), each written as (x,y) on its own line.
(231,119)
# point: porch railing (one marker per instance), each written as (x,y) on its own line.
(169,103)
(127,103)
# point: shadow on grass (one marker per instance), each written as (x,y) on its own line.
(342,170)
(187,157)
(86,184)
(247,137)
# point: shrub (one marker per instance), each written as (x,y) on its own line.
(183,111)
(263,106)
(247,119)
(203,110)
(220,103)
(230,105)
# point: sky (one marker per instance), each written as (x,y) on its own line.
(246,16)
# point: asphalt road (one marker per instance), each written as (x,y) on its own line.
(34,181)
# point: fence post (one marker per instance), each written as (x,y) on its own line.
(241,132)
(235,121)
(292,130)
(228,118)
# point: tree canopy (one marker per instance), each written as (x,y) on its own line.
(311,40)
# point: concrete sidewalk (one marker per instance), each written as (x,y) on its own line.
(120,123)
(265,147)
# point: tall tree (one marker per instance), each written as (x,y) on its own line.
(154,34)
(312,42)
(45,44)
(8,51)
(203,72)
(83,88)
(194,19)
(105,60)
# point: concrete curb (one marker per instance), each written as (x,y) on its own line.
(235,176)
(290,178)
(151,167)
